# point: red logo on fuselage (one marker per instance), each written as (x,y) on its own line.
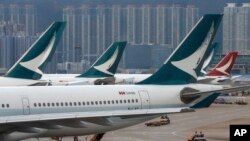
(122,93)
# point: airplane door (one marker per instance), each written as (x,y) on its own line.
(26,105)
(145,101)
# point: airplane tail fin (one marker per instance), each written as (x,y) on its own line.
(224,67)
(34,60)
(211,51)
(184,64)
(106,65)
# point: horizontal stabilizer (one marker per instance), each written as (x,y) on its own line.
(221,91)
(205,99)
(206,102)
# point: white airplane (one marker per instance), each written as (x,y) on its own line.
(221,73)
(101,72)
(109,77)
(28,69)
(28,112)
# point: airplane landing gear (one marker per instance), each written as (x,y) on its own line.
(76,138)
(97,137)
(56,139)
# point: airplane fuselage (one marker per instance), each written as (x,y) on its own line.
(46,100)
(71,79)
(8,81)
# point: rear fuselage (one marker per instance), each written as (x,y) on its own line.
(9,81)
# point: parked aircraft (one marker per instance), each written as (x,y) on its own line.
(101,76)
(101,72)
(28,112)
(28,69)
(221,73)
(135,78)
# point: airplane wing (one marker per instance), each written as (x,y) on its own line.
(204,80)
(235,77)
(26,126)
(93,117)
(225,79)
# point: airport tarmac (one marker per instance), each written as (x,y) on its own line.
(213,122)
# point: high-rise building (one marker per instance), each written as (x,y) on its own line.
(25,15)
(17,32)
(192,16)
(30,20)
(6,51)
(2,11)
(91,29)
(236,31)
(134,24)
(12,48)
(69,34)
(178,24)
(14,13)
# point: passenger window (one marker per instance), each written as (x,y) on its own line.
(104,102)
(3,105)
(125,101)
(87,103)
(136,100)
(121,101)
(100,102)
(66,103)
(44,104)
(92,103)
(61,103)
(96,103)
(39,104)
(7,105)
(117,101)
(113,102)
(128,101)
(70,104)
(79,103)
(133,101)
(57,104)
(48,104)
(75,103)
(34,104)
(83,103)
(108,102)
(53,104)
